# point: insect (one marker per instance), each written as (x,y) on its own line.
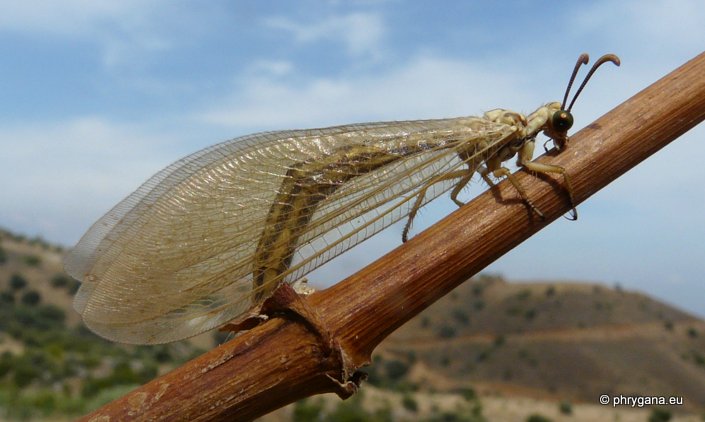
(212,235)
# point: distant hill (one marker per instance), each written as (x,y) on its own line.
(50,364)
(562,341)
(39,264)
(490,350)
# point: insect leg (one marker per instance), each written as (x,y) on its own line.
(494,165)
(462,174)
(525,155)
(470,159)
(460,185)
(485,175)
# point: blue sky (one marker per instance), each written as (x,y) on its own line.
(100,95)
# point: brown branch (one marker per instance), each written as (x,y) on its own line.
(284,360)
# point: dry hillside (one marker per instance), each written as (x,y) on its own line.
(490,350)
(564,341)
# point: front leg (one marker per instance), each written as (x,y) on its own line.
(525,155)
(503,171)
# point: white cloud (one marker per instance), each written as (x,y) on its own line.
(65,175)
(272,67)
(425,87)
(361,33)
(121,50)
(651,26)
(68,17)
(125,30)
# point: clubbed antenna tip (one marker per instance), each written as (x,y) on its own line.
(583,59)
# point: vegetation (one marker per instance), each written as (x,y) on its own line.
(17,282)
(351,410)
(698,358)
(60,280)
(7,297)
(396,370)
(537,418)
(499,341)
(51,368)
(479,305)
(461,316)
(307,410)
(469,394)
(409,403)
(32,260)
(58,369)
(524,294)
(660,415)
(55,354)
(530,314)
(31,298)
(447,331)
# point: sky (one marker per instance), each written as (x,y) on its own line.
(100,95)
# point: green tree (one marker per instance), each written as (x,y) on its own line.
(7,297)
(6,363)
(24,372)
(396,369)
(660,415)
(307,410)
(461,316)
(31,298)
(17,282)
(60,280)
(446,331)
(468,393)
(351,410)
(537,418)
(52,313)
(409,403)
(32,260)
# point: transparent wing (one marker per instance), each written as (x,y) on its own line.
(175,258)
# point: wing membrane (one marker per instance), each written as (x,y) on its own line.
(175,258)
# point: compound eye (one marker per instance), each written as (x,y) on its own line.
(562,120)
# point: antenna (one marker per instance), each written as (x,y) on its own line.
(583,59)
